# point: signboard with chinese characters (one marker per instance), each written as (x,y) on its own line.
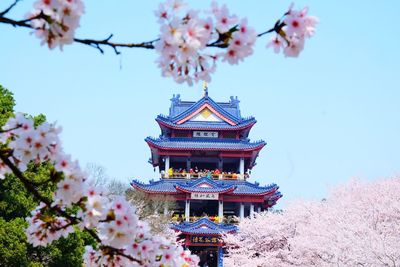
(206,196)
(204,240)
(206,134)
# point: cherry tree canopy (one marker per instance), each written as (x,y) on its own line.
(357,225)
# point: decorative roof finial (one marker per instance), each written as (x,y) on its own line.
(205,88)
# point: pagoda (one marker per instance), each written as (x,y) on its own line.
(205,158)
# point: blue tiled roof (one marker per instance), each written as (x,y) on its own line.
(241,187)
(180,109)
(275,197)
(204,143)
(204,227)
(198,185)
(202,125)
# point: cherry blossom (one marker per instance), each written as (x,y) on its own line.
(44,228)
(292,31)
(95,207)
(224,21)
(57,21)
(184,40)
(187,37)
(276,43)
(241,44)
(4,169)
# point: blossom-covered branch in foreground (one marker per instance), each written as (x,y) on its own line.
(190,41)
(122,239)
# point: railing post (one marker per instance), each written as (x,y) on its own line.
(220,210)
(241,210)
(166,166)
(188,164)
(241,168)
(165,210)
(187,210)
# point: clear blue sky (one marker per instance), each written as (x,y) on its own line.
(327,116)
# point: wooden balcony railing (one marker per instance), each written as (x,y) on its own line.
(216,219)
(222,176)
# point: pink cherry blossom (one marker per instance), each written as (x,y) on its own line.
(62,19)
(224,21)
(43,228)
(296,45)
(291,37)
(183,42)
(276,43)
(4,169)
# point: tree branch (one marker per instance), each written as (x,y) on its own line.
(99,44)
(9,130)
(9,8)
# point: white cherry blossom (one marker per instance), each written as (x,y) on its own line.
(60,22)
(276,43)
(4,169)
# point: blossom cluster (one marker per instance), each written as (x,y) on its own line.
(186,37)
(44,228)
(113,219)
(57,22)
(295,27)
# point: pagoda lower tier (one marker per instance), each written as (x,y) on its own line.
(221,200)
(205,233)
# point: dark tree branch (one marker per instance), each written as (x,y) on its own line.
(9,8)
(15,23)
(106,42)
(222,42)
(9,130)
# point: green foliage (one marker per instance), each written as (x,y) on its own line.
(12,243)
(7,104)
(15,201)
(16,204)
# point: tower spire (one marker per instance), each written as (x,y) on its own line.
(205,88)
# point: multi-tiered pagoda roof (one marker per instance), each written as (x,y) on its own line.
(218,118)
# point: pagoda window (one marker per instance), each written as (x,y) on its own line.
(201,166)
(231,165)
(178,163)
(179,210)
(180,134)
(201,208)
(230,135)
(231,210)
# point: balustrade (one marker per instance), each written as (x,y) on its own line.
(217,219)
(222,176)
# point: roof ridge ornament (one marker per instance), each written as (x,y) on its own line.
(205,88)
